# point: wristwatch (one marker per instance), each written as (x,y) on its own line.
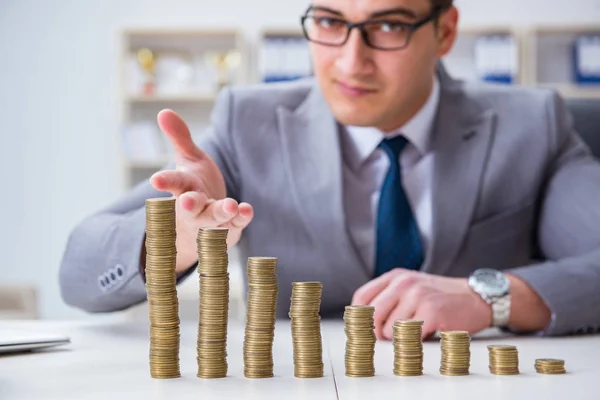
(494,288)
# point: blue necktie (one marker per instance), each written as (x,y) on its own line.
(398,237)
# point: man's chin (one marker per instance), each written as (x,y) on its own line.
(355,118)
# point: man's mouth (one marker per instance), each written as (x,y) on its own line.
(351,90)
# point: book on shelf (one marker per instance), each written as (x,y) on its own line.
(143,142)
(586,59)
(284,59)
(496,58)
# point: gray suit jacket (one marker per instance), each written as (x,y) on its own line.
(514,189)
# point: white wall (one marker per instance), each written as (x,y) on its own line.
(59,149)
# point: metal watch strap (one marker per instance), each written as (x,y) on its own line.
(501,310)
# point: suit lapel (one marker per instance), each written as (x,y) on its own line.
(311,146)
(461,142)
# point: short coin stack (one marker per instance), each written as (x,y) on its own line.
(456,353)
(408,348)
(214,302)
(550,366)
(504,359)
(260,317)
(360,344)
(161,257)
(306,329)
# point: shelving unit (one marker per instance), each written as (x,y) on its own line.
(186,78)
(468,59)
(544,57)
(283,55)
(552,62)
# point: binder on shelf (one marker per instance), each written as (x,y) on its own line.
(586,59)
(496,58)
(284,59)
(142,142)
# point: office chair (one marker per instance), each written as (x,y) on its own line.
(586,119)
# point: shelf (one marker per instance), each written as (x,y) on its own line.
(574,91)
(488,30)
(192,31)
(547,30)
(179,98)
(147,164)
(282,33)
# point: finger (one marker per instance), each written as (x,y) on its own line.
(245,215)
(384,303)
(193,202)
(173,181)
(179,134)
(405,309)
(366,293)
(219,212)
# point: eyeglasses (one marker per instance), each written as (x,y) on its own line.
(377,34)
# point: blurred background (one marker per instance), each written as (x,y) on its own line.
(81,82)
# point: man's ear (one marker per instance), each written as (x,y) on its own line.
(447,30)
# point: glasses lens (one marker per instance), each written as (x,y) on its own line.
(325,30)
(387,35)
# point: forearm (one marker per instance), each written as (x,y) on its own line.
(528,312)
(96,249)
(570,288)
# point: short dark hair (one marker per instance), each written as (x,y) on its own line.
(443,4)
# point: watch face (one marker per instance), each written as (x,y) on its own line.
(493,282)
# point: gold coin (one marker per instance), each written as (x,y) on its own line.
(161,292)
(260,317)
(306,329)
(408,348)
(213,309)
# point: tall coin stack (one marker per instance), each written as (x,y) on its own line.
(408,348)
(161,257)
(360,343)
(260,317)
(550,366)
(306,329)
(214,302)
(456,353)
(504,359)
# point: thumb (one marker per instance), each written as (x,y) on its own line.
(179,134)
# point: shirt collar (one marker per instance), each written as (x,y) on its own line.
(417,130)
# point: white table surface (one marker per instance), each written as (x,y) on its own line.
(110,361)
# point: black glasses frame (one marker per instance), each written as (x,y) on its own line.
(412,27)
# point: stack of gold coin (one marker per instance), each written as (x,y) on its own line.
(408,348)
(360,343)
(456,353)
(161,256)
(504,359)
(550,366)
(260,317)
(306,329)
(214,302)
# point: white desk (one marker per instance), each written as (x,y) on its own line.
(110,361)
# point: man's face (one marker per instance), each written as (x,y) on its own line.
(369,87)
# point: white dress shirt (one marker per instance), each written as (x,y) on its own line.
(365,168)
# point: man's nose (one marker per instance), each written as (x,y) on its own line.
(354,56)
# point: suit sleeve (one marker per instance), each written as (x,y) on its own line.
(100,269)
(568,231)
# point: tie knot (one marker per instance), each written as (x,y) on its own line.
(394,146)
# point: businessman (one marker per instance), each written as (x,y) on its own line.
(461,204)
